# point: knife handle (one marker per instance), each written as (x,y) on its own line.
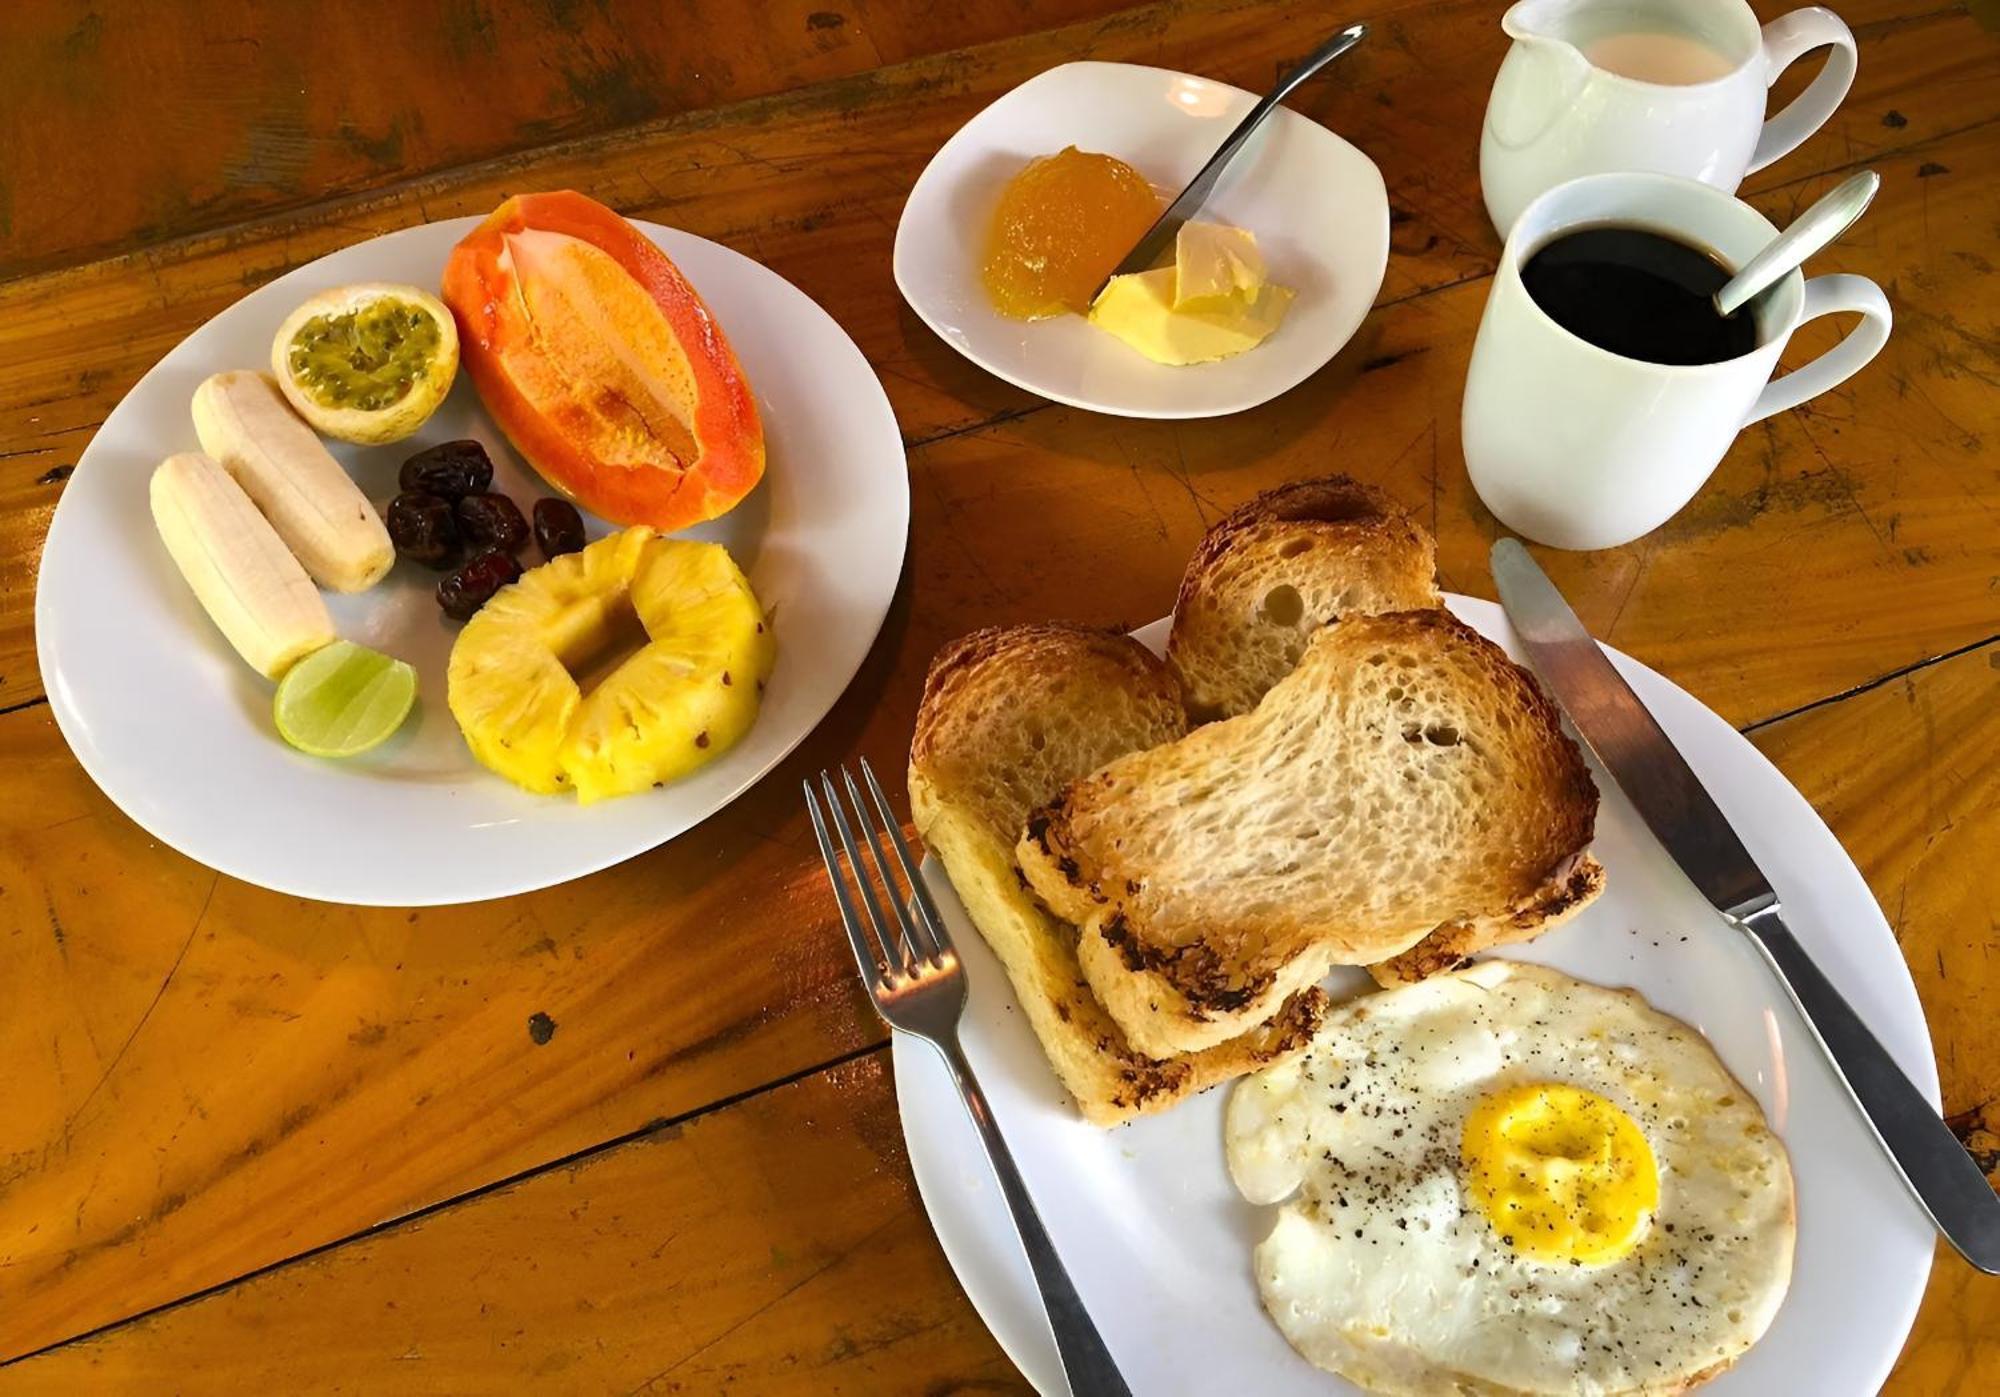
(1941,1175)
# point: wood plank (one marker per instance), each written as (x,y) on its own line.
(1908,776)
(204,1077)
(1116,506)
(820,146)
(812,183)
(565,1273)
(235,111)
(200,116)
(774,1247)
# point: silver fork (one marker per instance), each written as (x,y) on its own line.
(918,987)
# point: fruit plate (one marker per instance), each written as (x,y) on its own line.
(178,732)
(1316,204)
(1158,1241)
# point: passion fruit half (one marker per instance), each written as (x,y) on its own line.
(367,363)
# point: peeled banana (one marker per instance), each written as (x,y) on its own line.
(242,573)
(245,423)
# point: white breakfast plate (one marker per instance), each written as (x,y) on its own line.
(177,731)
(1158,1241)
(1316,204)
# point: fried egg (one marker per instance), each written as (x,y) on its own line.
(1505,1180)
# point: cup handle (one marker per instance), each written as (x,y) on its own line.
(1787,39)
(1824,295)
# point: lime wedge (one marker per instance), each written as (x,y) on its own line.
(343,699)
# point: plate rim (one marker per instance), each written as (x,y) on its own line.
(226,861)
(1033,1354)
(1281,384)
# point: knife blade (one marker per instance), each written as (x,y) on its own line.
(1158,240)
(1630,744)
(1626,738)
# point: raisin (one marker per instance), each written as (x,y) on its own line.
(492,521)
(424,530)
(558,528)
(452,469)
(463,592)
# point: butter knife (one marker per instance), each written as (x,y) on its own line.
(1151,248)
(1683,817)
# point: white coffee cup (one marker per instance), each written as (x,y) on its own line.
(1577,447)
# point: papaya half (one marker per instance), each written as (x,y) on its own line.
(601,364)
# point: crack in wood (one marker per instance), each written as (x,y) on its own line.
(1866,685)
(664,1128)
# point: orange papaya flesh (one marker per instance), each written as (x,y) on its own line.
(602,365)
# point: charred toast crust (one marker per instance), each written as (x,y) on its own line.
(1209,986)
(1200,976)
(1145,1081)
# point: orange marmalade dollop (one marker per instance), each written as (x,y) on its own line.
(1062,224)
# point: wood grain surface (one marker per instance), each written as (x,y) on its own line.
(193,116)
(202,1079)
(774,1246)
(804,1190)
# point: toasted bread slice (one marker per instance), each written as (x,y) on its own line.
(1263,579)
(1272,572)
(1405,776)
(1009,717)
(1279,567)
(1012,714)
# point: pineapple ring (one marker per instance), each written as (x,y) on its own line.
(627,665)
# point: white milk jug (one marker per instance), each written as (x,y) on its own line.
(1673,87)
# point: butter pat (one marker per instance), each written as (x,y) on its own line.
(1212,303)
(1214,263)
(1139,309)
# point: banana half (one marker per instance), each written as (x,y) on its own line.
(245,423)
(240,570)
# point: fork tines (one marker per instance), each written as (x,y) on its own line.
(890,948)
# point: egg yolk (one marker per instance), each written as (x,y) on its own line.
(1563,1176)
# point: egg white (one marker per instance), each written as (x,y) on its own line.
(1380,1267)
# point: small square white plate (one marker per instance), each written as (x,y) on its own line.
(1316,204)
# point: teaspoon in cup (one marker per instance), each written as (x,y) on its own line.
(1812,230)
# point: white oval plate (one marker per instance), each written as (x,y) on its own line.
(1158,1241)
(1316,204)
(177,730)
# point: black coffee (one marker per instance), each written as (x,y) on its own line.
(1640,294)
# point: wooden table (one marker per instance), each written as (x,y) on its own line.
(587,1139)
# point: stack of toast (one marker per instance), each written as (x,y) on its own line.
(1327,769)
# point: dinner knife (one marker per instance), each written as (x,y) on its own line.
(1159,238)
(1631,745)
